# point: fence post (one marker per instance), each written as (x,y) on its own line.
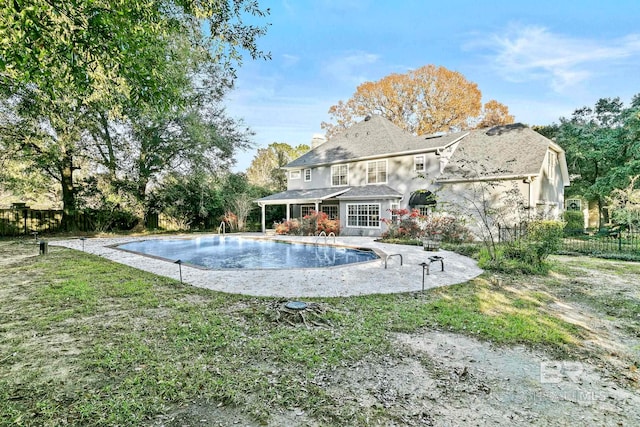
(620,241)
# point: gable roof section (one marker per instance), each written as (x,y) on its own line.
(500,152)
(371,138)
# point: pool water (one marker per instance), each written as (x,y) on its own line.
(220,252)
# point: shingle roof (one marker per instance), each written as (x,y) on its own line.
(499,151)
(370,138)
(312,194)
(370,192)
(366,191)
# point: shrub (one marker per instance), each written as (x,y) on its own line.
(291,227)
(317,222)
(410,225)
(467,248)
(574,223)
(406,225)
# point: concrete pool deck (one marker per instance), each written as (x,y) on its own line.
(348,280)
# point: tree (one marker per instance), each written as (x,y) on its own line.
(265,169)
(603,148)
(60,63)
(495,114)
(624,204)
(423,101)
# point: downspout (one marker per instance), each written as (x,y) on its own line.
(528,181)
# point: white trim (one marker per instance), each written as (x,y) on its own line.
(346,175)
(393,206)
(293,173)
(486,178)
(304,173)
(362,226)
(386,171)
(301,200)
(568,202)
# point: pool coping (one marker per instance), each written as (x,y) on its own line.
(339,281)
(380,254)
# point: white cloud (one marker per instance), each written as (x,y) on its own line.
(351,67)
(525,53)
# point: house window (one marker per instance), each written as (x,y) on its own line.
(377,172)
(394,207)
(294,175)
(423,210)
(552,161)
(574,205)
(306,210)
(339,175)
(307,175)
(363,215)
(419,163)
(330,210)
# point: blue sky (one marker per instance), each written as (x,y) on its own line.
(542,59)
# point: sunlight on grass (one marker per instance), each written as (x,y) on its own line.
(146,342)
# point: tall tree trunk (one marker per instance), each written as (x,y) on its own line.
(68,194)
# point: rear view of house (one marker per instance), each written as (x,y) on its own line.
(374,166)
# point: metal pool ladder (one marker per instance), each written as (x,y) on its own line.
(322,233)
(222,228)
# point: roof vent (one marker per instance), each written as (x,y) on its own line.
(367,118)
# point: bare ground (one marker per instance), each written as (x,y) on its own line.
(438,378)
(447,379)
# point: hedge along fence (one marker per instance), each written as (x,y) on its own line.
(613,240)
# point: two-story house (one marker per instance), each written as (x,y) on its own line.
(374,166)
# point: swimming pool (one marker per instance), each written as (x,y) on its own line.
(227,252)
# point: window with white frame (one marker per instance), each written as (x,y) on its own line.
(306,210)
(294,174)
(330,210)
(394,215)
(574,205)
(307,175)
(339,175)
(363,215)
(552,161)
(419,163)
(377,172)
(423,210)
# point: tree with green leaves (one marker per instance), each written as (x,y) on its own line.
(265,169)
(67,68)
(602,146)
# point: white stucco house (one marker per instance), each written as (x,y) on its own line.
(374,166)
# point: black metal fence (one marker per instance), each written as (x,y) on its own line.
(603,241)
(26,221)
(17,222)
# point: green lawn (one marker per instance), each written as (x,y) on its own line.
(84,341)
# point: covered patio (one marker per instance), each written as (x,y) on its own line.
(290,198)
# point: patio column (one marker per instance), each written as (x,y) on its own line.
(288,211)
(264,227)
(317,206)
